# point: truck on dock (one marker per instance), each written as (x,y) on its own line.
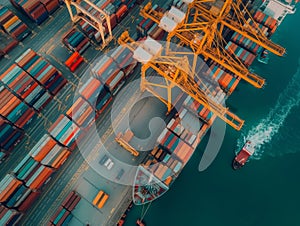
(100,199)
(124,139)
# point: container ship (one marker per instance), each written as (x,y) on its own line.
(178,141)
(243,155)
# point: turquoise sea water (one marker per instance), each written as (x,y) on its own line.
(266,191)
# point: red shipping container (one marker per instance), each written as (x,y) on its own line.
(121,12)
(27,203)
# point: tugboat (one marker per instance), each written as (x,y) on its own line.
(243,155)
(140,222)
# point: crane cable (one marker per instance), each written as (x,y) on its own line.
(144,214)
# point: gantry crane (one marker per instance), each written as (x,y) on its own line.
(93,15)
(201,28)
(176,72)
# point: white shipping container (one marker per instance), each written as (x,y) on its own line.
(152,46)
(142,55)
(176,14)
(167,24)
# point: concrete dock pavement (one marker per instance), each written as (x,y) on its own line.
(46,41)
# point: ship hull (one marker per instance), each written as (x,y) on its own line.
(236,165)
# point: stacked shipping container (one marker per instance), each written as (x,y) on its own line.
(12,25)
(74,61)
(10,136)
(25,92)
(81,113)
(246,43)
(176,144)
(26,87)
(14,110)
(95,93)
(108,72)
(49,153)
(113,70)
(124,59)
(14,117)
(63,214)
(76,41)
(64,131)
(245,56)
(37,10)
(226,80)
(43,72)
(7,43)
(204,113)
(9,216)
(266,20)
(146,27)
(20,189)
(14,193)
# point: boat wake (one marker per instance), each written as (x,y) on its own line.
(263,132)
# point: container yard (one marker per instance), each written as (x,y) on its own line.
(67,154)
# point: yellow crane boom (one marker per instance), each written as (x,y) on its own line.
(204,34)
(176,71)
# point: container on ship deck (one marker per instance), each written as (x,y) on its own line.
(175,145)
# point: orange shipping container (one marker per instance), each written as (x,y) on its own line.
(9,106)
(25,57)
(41,178)
(10,22)
(61,159)
(45,150)
(103,201)
(8,186)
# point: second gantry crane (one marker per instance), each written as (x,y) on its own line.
(89,12)
(176,72)
(202,29)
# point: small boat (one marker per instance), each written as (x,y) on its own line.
(243,155)
(140,222)
(264,57)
